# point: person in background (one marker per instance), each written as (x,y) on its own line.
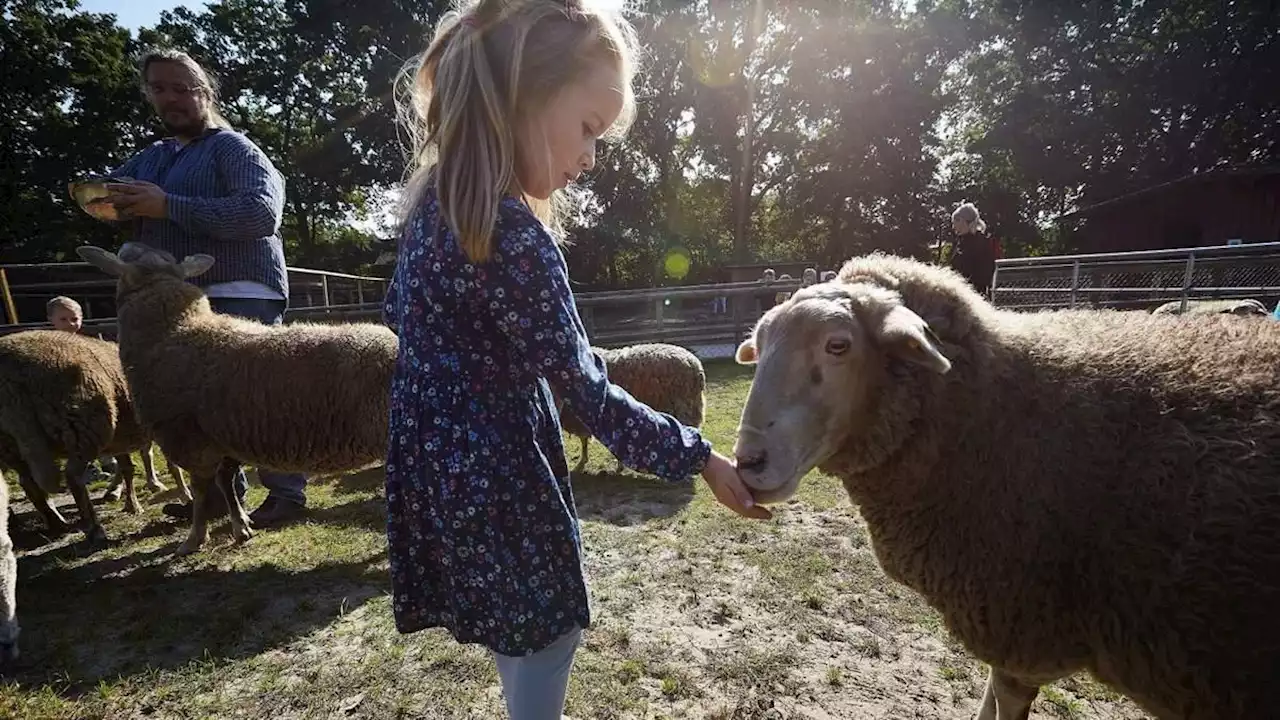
(974,252)
(208,189)
(65,314)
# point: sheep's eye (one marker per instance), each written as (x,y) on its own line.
(837,346)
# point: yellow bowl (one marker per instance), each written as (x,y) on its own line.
(91,193)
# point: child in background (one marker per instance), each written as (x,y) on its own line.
(65,314)
(509,101)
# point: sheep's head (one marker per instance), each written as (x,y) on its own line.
(1246,308)
(820,357)
(137,265)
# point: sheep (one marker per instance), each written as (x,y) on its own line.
(218,391)
(1246,307)
(65,395)
(1076,490)
(667,378)
(160,492)
(8,585)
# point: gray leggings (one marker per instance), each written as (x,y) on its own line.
(535,685)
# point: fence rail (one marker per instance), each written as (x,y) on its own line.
(1140,279)
(701,315)
(24,297)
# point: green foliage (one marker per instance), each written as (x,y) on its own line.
(767,131)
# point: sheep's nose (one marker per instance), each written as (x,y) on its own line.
(753,462)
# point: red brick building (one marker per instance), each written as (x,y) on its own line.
(1210,208)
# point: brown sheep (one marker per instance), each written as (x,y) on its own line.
(65,395)
(1079,490)
(219,390)
(667,378)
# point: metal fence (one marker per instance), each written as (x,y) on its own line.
(1139,280)
(24,289)
(706,317)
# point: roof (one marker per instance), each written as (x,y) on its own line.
(1208,175)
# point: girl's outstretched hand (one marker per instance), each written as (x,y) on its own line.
(729,489)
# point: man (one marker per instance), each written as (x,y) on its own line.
(209,189)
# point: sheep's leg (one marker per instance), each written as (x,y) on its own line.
(39,459)
(8,584)
(241,527)
(114,488)
(149,466)
(202,484)
(125,472)
(40,499)
(181,492)
(1006,698)
(183,487)
(74,472)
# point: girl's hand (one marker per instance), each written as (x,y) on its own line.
(729,489)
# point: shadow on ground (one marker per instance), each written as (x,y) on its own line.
(627,499)
(144,615)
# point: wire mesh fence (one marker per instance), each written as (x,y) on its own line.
(1139,280)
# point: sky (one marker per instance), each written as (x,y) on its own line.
(135,14)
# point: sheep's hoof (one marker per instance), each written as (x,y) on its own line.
(96,536)
(113,493)
(132,506)
(59,527)
(157,486)
(242,535)
(187,548)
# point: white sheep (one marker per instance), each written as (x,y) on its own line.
(1245,307)
(9,629)
(1079,490)
(218,390)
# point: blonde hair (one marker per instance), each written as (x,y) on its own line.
(490,65)
(62,301)
(205,83)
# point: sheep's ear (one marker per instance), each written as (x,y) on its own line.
(104,260)
(193,265)
(907,336)
(746,354)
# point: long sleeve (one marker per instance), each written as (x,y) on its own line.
(527,289)
(128,167)
(255,205)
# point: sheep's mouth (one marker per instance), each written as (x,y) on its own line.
(775,477)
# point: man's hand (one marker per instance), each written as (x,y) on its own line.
(138,199)
(728,488)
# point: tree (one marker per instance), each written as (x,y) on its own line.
(72,107)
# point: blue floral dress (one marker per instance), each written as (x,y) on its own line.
(482,531)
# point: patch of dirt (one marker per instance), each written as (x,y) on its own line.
(795,623)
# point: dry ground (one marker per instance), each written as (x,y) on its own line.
(699,614)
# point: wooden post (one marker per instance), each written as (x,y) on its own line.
(9,307)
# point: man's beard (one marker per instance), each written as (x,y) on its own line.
(188,125)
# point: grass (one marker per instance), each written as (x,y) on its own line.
(697,613)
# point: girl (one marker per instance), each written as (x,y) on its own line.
(508,102)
